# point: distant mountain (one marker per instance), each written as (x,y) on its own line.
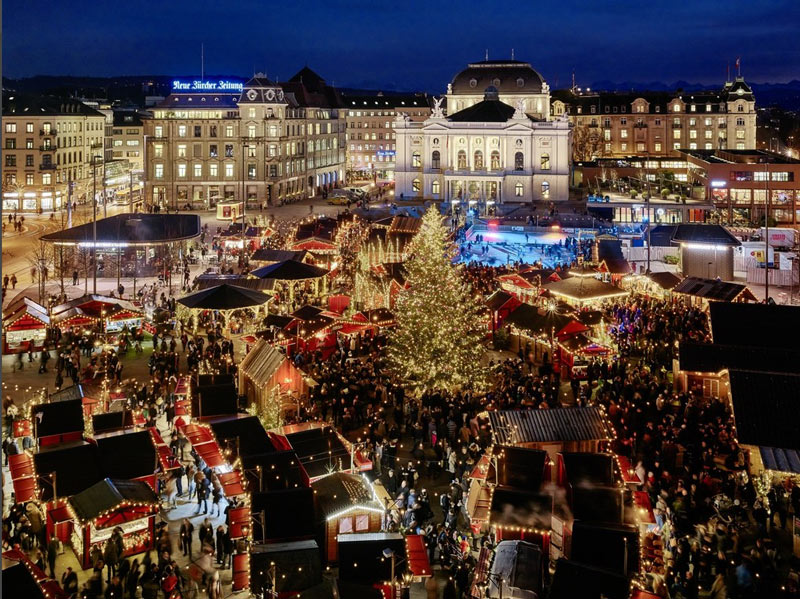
(785,95)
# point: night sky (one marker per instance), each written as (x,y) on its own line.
(405,45)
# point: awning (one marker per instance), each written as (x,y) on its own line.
(627,471)
(241,572)
(240,522)
(232,483)
(23,476)
(165,457)
(644,509)
(481,469)
(417,556)
(204,444)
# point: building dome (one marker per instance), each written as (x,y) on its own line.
(491,93)
(508,76)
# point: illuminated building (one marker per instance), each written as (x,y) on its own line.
(263,141)
(47,143)
(645,123)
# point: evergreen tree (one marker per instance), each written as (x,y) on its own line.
(438,339)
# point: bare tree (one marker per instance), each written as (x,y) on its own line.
(41,260)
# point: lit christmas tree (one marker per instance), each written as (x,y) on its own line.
(438,339)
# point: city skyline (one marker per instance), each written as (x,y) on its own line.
(374,48)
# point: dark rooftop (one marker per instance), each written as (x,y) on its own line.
(756,325)
(127,455)
(487,111)
(131,229)
(511,427)
(765,408)
(712,289)
(62,460)
(707,234)
(108,494)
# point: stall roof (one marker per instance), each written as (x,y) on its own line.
(666,280)
(405,224)
(529,318)
(58,417)
(125,455)
(498,299)
(261,364)
(519,467)
(289,270)
(519,564)
(584,289)
(319,449)
(131,229)
(380,316)
(76,466)
(21,306)
(511,427)
(617,540)
(298,560)
(307,312)
(713,289)
(112,421)
(573,579)
(714,357)
(589,468)
(252,438)
(518,507)
(208,281)
(224,297)
(109,494)
(272,256)
(765,408)
(278,321)
(705,234)
(341,491)
(782,460)
(754,325)
(280,470)
(288,513)
(597,503)
(92,306)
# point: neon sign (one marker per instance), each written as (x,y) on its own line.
(206,86)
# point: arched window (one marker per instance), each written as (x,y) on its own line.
(416,186)
(478,160)
(545,190)
(545,162)
(436,159)
(519,161)
(436,188)
(494,160)
(415,160)
(462,160)
(518,189)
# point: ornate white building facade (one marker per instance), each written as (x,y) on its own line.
(488,151)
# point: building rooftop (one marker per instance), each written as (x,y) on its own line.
(508,76)
(131,229)
(739,157)
(25,105)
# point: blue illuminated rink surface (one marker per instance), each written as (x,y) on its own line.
(511,246)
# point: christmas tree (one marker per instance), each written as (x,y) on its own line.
(438,339)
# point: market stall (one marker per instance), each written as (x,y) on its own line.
(267,375)
(129,506)
(25,322)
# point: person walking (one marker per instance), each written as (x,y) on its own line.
(52,553)
(186,532)
(13,281)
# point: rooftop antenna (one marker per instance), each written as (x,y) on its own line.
(728,74)
(573,80)
(487,54)
(202,61)
(512,53)
(738,66)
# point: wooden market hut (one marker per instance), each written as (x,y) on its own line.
(344,504)
(267,375)
(26,579)
(129,505)
(293,566)
(553,430)
(24,322)
(701,292)
(323,450)
(584,291)
(111,314)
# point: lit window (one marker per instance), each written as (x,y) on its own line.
(159,131)
(11,127)
(623,133)
(416,186)
(213,169)
(545,190)
(657,146)
(228,130)
(436,187)
(707,134)
(435,159)
(740,146)
(251,130)
(159,171)
(692,146)
(518,190)
(181,170)
(676,108)
(47,179)
(182,151)
(229,170)
(415,160)
(623,146)
(181,130)
(545,162)
(693,134)
(28,127)
(198,170)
